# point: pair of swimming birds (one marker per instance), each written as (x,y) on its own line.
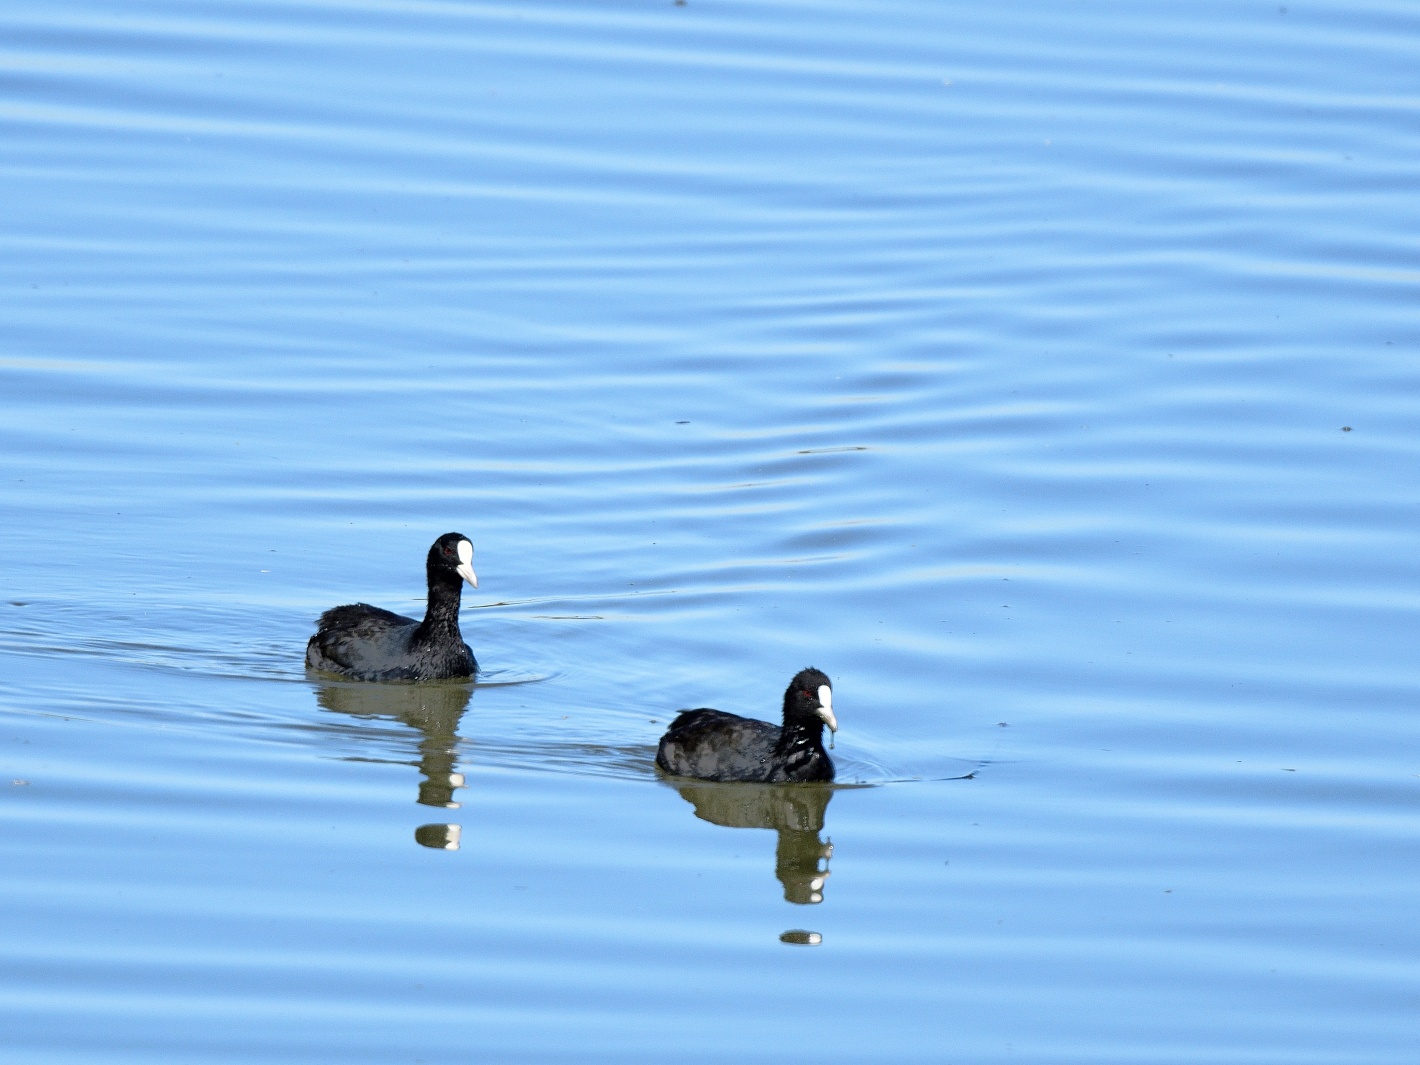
(364,642)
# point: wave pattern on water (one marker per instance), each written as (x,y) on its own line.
(1045,374)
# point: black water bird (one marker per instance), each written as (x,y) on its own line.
(364,642)
(712,745)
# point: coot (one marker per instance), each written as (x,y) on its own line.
(364,642)
(713,745)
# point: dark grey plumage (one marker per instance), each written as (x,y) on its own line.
(363,642)
(713,745)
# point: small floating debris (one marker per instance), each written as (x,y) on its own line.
(801,937)
(568,617)
(19,783)
(827,450)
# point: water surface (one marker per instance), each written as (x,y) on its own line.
(1044,374)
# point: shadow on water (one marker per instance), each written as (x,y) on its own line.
(434,710)
(795,811)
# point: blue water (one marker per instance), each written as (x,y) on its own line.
(1044,373)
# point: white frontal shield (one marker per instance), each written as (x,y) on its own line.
(465,566)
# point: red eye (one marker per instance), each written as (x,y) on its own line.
(809,694)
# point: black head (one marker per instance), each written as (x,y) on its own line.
(809,699)
(452,556)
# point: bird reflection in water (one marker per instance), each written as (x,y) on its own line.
(795,811)
(434,710)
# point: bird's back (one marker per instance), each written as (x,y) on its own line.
(363,642)
(714,745)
